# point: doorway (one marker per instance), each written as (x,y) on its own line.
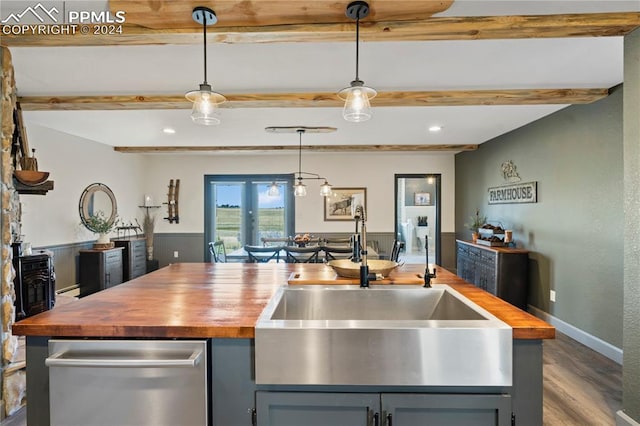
(417,216)
(239,210)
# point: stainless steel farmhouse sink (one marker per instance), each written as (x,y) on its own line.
(384,335)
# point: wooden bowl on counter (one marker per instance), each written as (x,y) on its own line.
(347,269)
(30,177)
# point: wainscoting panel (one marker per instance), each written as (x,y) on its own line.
(189,246)
(65,262)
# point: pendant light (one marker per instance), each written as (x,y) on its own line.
(299,188)
(205,101)
(274,190)
(357,107)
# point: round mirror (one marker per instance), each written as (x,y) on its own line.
(97,200)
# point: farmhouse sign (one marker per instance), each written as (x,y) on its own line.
(517,193)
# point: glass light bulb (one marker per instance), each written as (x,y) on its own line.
(357,107)
(325,189)
(204,111)
(274,190)
(300,189)
(205,105)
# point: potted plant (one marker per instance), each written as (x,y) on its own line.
(101,225)
(475,222)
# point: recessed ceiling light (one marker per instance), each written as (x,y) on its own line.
(434,129)
(169,130)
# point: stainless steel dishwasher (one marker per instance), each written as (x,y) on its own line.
(128,382)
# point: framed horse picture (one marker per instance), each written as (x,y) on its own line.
(337,206)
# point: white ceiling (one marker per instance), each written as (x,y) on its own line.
(287,67)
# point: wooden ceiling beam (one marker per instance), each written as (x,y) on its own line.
(294,148)
(320,99)
(439,28)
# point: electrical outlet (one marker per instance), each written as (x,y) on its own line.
(175,254)
(552,295)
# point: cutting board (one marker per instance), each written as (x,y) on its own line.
(329,277)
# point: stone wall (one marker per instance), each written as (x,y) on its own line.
(13,378)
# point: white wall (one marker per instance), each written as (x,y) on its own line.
(374,171)
(74,164)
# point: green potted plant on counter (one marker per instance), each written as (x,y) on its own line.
(475,223)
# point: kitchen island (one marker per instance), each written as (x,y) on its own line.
(222,303)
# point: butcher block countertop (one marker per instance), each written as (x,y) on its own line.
(201,300)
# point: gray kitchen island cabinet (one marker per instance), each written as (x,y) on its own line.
(317,408)
(381,409)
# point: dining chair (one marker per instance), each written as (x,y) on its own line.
(336,252)
(218,251)
(279,241)
(307,254)
(261,254)
(395,250)
(336,241)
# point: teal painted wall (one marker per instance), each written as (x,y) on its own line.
(575,230)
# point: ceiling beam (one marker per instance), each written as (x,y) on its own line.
(177,14)
(439,28)
(320,99)
(283,148)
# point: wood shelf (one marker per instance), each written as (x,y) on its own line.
(41,189)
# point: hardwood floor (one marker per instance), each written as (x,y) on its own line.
(581,387)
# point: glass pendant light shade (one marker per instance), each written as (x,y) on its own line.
(274,190)
(299,189)
(205,101)
(325,189)
(357,106)
(205,105)
(357,97)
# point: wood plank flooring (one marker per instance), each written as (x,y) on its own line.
(581,387)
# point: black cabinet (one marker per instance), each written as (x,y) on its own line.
(99,270)
(34,284)
(133,257)
(500,271)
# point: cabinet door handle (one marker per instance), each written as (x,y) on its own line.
(376,419)
(389,420)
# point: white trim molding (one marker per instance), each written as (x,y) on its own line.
(607,349)
(624,420)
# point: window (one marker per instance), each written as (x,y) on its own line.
(239,211)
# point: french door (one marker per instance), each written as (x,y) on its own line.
(239,210)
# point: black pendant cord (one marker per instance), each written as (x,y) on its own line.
(204,27)
(300,154)
(357,46)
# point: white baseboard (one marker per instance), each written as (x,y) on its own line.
(595,343)
(623,420)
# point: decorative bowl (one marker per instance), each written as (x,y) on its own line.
(348,269)
(31,177)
